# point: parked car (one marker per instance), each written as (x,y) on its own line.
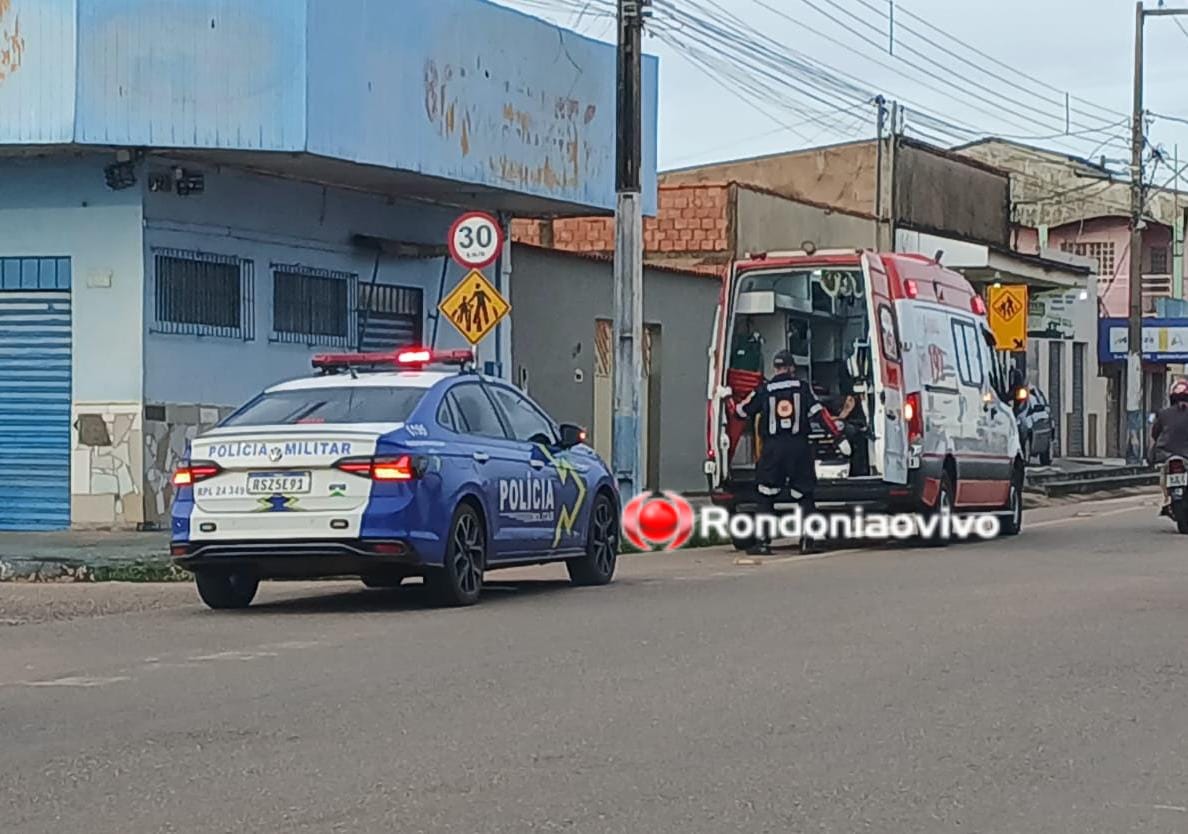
(386,466)
(1034,416)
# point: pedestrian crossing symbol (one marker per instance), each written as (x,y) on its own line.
(1007,316)
(474,307)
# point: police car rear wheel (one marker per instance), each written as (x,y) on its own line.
(460,580)
(226,589)
(597,565)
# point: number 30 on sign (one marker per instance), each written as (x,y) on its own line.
(476,239)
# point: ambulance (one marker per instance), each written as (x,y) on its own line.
(895,344)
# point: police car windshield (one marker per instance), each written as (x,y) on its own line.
(358,404)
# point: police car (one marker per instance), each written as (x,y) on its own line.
(386,466)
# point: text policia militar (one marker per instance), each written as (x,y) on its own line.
(855,525)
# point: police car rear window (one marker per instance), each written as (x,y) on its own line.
(359,404)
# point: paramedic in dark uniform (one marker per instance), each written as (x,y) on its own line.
(786,406)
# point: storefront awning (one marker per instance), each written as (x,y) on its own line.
(983,264)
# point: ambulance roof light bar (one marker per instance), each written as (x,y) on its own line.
(411,358)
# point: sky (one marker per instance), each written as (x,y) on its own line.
(1082,48)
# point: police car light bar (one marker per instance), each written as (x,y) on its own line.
(405,358)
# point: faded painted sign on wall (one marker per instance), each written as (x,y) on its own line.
(468,90)
(12,42)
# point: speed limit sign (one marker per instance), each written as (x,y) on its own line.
(476,239)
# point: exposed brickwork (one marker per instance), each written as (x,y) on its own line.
(692,229)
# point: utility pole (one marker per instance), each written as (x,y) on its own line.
(1135,429)
(880,117)
(626,433)
(1134,345)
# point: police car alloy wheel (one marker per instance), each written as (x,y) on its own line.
(460,580)
(597,565)
(226,589)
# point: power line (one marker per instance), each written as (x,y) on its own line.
(954,76)
(900,9)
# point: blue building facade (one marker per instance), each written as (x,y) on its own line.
(207,192)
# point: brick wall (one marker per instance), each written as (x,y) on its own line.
(691,229)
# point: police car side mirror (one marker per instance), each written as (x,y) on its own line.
(572,435)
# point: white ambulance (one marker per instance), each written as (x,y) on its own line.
(896,345)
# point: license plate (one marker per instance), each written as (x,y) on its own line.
(278,483)
(1179,479)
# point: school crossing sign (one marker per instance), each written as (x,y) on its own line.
(1007,316)
(474,307)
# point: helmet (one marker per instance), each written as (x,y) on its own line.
(1179,391)
(784,359)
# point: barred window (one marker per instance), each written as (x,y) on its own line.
(1103,253)
(1159,260)
(314,306)
(202,294)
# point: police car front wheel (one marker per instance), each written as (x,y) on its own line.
(597,565)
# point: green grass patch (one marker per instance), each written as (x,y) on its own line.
(155,571)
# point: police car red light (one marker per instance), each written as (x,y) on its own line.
(406,358)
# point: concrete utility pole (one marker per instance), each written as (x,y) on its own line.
(1135,430)
(627,436)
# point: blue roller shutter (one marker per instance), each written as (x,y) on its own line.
(35,354)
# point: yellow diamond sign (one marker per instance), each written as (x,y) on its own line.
(1007,316)
(474,307)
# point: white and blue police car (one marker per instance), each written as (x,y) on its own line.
(386,466)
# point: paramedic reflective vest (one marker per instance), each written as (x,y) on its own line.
(787,406)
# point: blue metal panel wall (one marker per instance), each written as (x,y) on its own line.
(36,71)
(35,354)
(192,73)
(470,91)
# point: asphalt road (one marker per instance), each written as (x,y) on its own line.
(1035,685)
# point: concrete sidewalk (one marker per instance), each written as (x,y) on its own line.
(83,554)
(1079,476)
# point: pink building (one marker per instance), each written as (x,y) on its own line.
(1107,241)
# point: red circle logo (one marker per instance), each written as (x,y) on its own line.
(651,522)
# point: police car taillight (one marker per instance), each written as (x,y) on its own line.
(192,473)
(395,468)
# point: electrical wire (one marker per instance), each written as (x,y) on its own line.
(952,78)
(902,11)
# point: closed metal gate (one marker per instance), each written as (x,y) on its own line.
(1056,392)
(1076,419)
(35,349)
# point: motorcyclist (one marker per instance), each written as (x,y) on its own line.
(1169,433)
(787,405)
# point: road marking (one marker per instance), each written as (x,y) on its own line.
(234,655)
(77,681)
(1052,522)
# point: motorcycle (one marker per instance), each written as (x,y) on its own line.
(1175,478)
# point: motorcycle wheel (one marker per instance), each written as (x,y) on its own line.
(1180,514)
